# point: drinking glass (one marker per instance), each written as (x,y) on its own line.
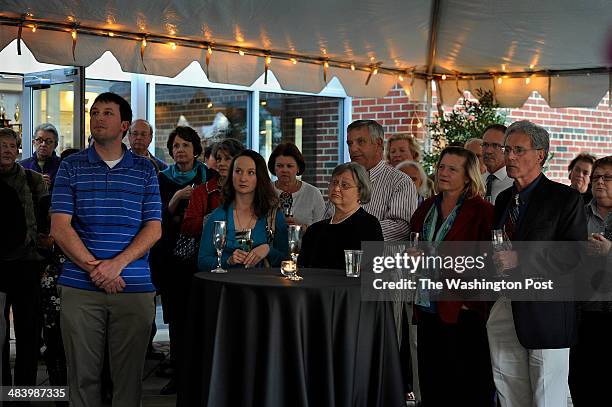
(294,235)
(352,260)
(414,239)
(219,235)
(500,243)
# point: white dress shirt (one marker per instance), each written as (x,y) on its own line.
(502,181)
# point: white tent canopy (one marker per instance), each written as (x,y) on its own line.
(562,46)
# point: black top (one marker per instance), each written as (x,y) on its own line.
(323,244)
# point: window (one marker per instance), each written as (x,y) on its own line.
(94,87)
(313,123)
(214,113)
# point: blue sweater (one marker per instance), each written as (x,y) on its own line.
(207,257)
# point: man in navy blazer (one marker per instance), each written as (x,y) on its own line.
(530,341)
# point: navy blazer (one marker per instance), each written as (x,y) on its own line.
(555,212)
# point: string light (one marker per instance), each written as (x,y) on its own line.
(500,80)
(531,66)
(375,71)
(209,105)
(241,53)
(173,45)
(293,61)
(33,28)
(111,34)
(352,67)
(268,60)
(401,78)
(209,50)
(503,67)
(326,64)
(74,34)
(443,77)
(527,80)
(144,42)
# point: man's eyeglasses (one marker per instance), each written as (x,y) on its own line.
(596,178)
(518,150)
(494,146)
(47,141)
(333,184)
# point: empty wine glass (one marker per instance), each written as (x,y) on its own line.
(219,235)
(295,241)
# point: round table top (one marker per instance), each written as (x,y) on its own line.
(272,277)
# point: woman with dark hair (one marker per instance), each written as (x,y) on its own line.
(176,184)
(206,197)
(453,350)
(301,202)
(249,208)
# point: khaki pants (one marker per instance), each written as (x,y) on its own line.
(524,377)
(87,319)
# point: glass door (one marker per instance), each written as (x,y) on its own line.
(55,97)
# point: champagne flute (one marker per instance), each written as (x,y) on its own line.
(500,243)
(295,241)
(219,236)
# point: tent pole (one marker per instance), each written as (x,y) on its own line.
(431,61)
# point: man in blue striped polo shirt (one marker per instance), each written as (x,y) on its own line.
(106,215)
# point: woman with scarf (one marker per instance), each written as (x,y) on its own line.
(452,346)
(176,184)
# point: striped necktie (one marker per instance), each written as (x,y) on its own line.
(511,225)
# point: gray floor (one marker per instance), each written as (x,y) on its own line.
(151,384)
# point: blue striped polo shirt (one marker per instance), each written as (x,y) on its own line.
(108,208)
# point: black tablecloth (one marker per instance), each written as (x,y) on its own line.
(256,339)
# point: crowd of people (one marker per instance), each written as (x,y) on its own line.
(97,234)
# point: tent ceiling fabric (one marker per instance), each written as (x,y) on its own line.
(474,37)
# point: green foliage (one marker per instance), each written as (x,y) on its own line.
(467,120)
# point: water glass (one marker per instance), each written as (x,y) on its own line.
(352,260)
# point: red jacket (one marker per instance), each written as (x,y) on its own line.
(204,199)
(473,223)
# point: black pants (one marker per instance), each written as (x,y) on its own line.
(22,281)
(454,361)
(591,359)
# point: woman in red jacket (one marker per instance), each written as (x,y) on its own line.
(206,197)
(453,352)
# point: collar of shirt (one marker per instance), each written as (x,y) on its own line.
(592,208)
(377,170)
(500,174)
(525,194)
(126,161)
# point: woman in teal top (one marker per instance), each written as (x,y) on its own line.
(248,201)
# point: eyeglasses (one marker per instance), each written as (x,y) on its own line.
(596,178)
(494,146)
(333,184)
(40,140)
(518,150)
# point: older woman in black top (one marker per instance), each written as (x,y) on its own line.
(324,242)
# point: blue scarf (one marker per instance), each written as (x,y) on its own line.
(429,225)
(181,178)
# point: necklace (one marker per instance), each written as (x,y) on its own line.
(291,189)
(345,217)
(240,223)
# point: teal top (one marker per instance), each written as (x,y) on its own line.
(207,257)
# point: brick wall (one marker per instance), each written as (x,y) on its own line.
(320,130)
(572,130)
(172,102)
